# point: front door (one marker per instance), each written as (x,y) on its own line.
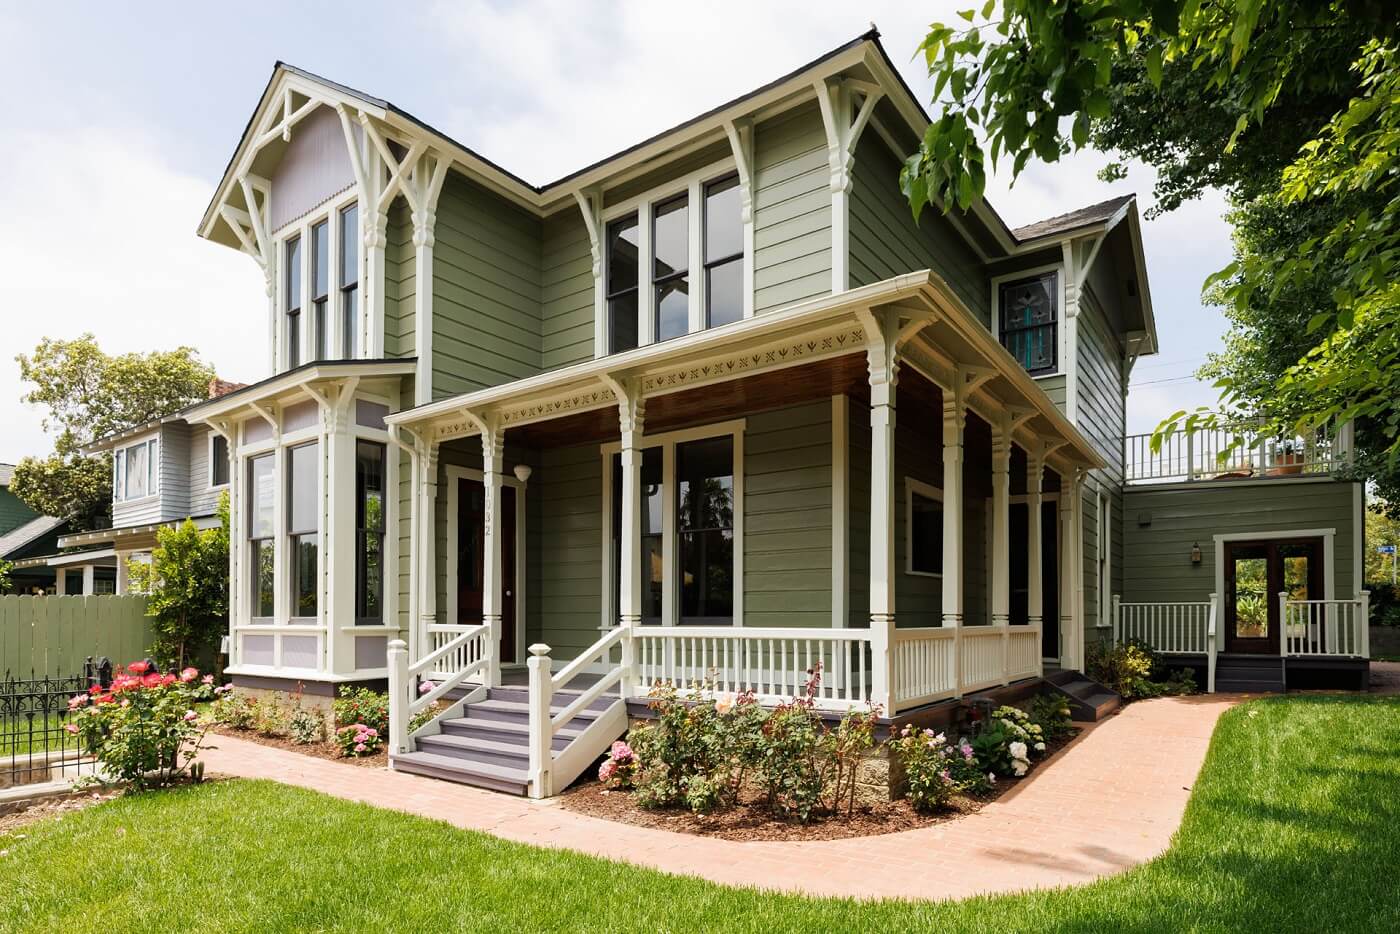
(1255,574)
(471,555)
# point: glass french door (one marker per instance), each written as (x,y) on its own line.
(1255,574)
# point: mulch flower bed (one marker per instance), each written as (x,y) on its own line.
(321,750)
(751,821)
(25,813)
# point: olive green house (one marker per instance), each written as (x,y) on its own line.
(714,408)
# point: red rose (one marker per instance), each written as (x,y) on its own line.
(151,680)
(137,668)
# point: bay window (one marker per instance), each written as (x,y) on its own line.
(293,301)
(262,535)
(369,533)
(303,514)
(1028,321)
(320,288)
(349,280)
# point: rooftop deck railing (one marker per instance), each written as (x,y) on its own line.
(1236,451)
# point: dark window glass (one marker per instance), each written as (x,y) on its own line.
(304,549)
(261,497)
(926,534)
(1028,321)
(293,301)
(369,528)
(724,292)
(653,505)
(724,253)
(705,529)
(623,265)
(349,279)
(320,286)
(264,574)
(670,246)
(218,461)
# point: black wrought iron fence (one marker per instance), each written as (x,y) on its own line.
(35,744)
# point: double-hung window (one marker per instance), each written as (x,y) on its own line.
(293,301)
(1029,313)
(724,253)
(303,512)
(670,277)
(262,498)
(349,280)
(218,460)
(320,288)
(134,471)
(369,532)
(623,267)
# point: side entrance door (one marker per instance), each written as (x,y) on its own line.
(1255,574)
(471,558)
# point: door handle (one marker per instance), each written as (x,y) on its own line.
(508,593)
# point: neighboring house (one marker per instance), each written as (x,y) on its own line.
(24,536)
(642,421)
(163,472)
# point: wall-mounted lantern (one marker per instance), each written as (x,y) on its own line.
(1196,553)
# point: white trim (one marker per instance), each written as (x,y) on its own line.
(453,474)
(330,212)
(840,511)
(912,488)
(1061,351)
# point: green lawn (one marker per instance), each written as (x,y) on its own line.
(1295,825)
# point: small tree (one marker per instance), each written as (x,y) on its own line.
(187,584)
(6,584)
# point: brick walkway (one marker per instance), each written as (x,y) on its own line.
(1109,800)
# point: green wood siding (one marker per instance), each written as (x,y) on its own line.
(565,528)
(858,469)
(486,290)
(1158,567)
(400,283)
(1101,416)
(792,210)
(787,517)
(13,513)
(566,294)
(885,241)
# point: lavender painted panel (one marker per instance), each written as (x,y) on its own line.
(370,414)
(299,416)
(255,430)
(371,651)
(257,650)
(315,167)
(300,652)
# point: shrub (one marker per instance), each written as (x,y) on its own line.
(620,769)
(363,706)
(934,770)
(418,720)
(1125,668)
(142,729)
(232,709)
(790,764)
(357,739)
(269,719)
(305,727)
(696,754)
(1051,713)
(1007,741)
(844,748)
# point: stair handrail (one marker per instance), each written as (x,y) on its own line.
(599,649)
(404,702)
(543,685)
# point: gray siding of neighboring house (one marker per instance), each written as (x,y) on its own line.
(792,209)
(400,283)
(171,500)
(566,291)
(787,517)
(885,241)
(486,290)
(203,498)
(1162,524)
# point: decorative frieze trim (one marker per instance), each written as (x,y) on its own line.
(755,360)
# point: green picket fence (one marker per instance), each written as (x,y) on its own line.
(52,636)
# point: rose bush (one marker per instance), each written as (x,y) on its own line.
(143,729)
(619,770)
(357,740)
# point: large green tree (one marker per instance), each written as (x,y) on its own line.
(88,394)
(1291,107)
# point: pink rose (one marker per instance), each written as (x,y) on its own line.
(425,687)
(189,674)
(207,679)
(71,727)
(138,668)
(75,702)
(360,747)
(190,715)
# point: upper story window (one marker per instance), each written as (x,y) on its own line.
(134,471)
(293,302)
(349,280)
(320,288)
(675,263)
(218,460)
(1029,310)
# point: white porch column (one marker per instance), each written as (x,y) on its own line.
(89,580)
(1035,480)
(954,419)
(121,587)
(427,542)
(1071,569)
(1001,522)
(492,458)
(631,410)
(423,240)
(338,518)
(881,342)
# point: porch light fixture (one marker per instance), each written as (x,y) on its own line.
(1196,553)
(522,472)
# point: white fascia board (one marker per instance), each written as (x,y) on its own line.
(293,380)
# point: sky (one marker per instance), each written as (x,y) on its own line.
(121,118)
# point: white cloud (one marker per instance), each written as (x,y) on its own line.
(98,233)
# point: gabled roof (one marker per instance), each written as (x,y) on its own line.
(1073,220)
(27,534)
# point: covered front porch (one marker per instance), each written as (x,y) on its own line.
(740,508)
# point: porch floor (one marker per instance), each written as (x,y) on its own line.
(1109,800)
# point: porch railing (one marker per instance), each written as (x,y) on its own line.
(1180,628)
(462,654)
(1325,627)
(437,672)
(1234,451)
(938,662)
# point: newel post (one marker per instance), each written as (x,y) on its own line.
(1283,622)
(541,732)
(1214,621)
(1364,623)
(398,697)
(1117,619)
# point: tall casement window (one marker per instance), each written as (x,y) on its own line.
(670,277)
(653,507)
(303,509)
(320,288)
(623,268)
(262,524)
(724,253)
(349,280)
(369,533)
(1029,316)
(218,460)
(134,471)
(705,529)
(923,529)
(293,301)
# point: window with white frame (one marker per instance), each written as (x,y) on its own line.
(262,541)
(675,262)
(134,471)
(321,259)
(369,533)
(303,527)
(218,460)
(1029,321)
(923,528)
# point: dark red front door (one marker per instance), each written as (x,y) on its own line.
(471,553)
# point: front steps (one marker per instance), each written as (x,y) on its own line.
(1089,701)
(1249,674)
(488,745)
